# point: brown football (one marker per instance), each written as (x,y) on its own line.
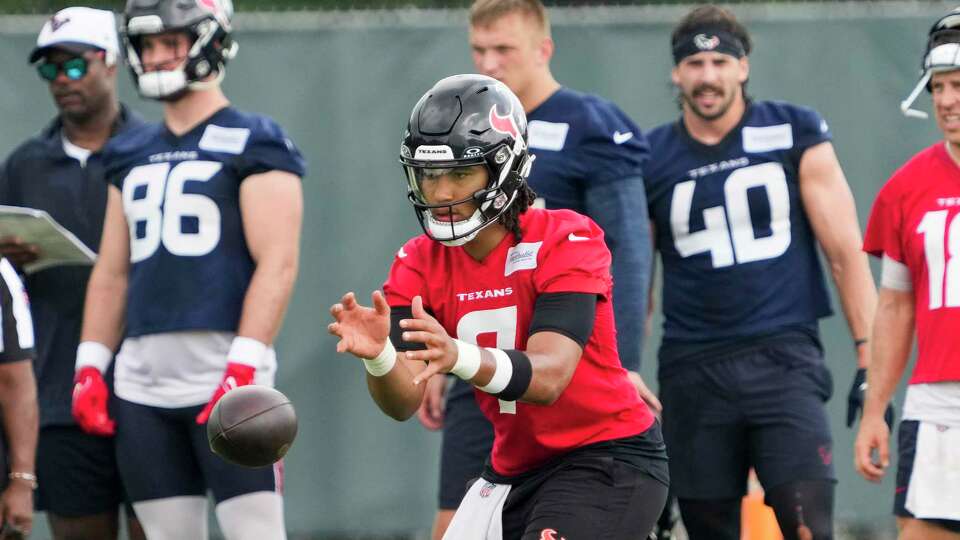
(252,426)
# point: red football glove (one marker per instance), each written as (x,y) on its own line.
(90,396)
(236,375)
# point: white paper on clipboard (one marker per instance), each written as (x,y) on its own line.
(57,245)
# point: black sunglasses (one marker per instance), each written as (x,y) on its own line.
(74,68)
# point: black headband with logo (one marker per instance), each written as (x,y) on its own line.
(707,40)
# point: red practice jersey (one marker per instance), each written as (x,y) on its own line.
(490,303)
(916,222)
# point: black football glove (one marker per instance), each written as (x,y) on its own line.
(856,397)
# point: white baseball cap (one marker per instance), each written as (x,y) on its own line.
(78,29)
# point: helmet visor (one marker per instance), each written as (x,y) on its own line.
(426,184)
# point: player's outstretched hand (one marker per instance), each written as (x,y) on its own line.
(430,412)
(441,352)
(874,436)
(363,331)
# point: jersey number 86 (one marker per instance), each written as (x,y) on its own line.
(165,205)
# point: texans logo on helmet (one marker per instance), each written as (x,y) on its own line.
(550,534)
(504,124)
(210,5)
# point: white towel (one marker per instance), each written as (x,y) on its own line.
(479,514)
(934,488)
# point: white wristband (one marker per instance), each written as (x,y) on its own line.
(247,351)
(468,360)
(501,377)
(93,354)
(383,362)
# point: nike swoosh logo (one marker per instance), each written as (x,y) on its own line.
(574,238)
(401,253)
(620,138)
(230,383)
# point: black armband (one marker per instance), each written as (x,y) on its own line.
(520,376)
(571,314)
(397,314)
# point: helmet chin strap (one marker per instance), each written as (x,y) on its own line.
(449,233)
(161,84)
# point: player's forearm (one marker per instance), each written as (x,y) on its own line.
(890,344)
(395,393)
(858,296)
(620,208)
(268,296)
(18,401)
(104,307)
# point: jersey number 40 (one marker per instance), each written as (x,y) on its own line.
(165,205)
(729,234)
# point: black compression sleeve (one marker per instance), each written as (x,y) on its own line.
(397,314)
(570,314)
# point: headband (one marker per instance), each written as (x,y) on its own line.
(707,40)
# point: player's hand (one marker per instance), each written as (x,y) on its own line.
(17,251)
(855,400)
(236,375)
(874,436)
(430,412)
(16,505)
(646,395)
(89,407)
(363,331)
(441,352)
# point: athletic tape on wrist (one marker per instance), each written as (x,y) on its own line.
(383,362)
(503,374)
(94,354)
(468,360)
(247,351)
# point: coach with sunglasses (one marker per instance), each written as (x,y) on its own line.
(59,171)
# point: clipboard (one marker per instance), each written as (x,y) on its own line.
(57,245)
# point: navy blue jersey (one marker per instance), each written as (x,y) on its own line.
(581,140)
(190,266)
(589,158)
(739,256)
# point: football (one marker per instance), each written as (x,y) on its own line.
(252,426)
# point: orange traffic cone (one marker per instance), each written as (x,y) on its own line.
(758,522)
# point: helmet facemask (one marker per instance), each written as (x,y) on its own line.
(506,169)
(942,54)
(211,47)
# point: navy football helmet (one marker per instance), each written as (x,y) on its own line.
(463,121)
(207,23)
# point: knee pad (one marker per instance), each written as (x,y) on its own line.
(804,509)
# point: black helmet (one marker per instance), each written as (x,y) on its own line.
(466,120)
(207,22)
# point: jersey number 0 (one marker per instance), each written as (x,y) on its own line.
(164,207)
(733,220)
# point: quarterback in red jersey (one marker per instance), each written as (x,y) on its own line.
(915,228)
(517,302)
